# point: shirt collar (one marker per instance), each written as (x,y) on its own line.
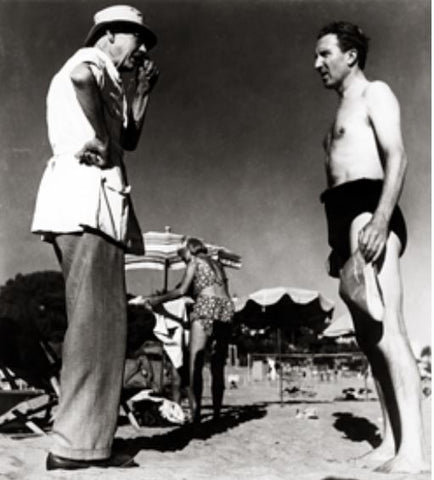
(111,69)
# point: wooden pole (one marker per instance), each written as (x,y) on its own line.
(279,359)
(166,274)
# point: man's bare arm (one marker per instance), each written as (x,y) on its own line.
(384,114)
(146,78)
(96,151)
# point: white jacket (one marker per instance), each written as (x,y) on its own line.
(73,196)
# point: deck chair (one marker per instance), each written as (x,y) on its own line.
(138,376)
(25,356)
(148,387)
(147,369)
(32,406)
(30,394)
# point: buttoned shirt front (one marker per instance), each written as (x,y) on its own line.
(73,196)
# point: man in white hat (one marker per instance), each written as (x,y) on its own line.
(84,209)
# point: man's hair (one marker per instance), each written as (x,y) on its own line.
(349,36)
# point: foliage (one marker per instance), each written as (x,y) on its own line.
(33,308)
(35,303)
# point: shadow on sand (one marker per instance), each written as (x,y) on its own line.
(179,438)
(297,402)
(357,429)
(338,478)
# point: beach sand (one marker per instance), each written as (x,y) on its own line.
(257,439)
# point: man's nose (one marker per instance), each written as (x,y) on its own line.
(143,49)
(317,64)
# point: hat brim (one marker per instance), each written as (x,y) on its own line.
(98,30)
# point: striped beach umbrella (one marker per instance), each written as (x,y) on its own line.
(161,253)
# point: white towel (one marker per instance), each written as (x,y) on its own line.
(168,328)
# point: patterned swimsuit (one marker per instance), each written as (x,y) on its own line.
(209,309)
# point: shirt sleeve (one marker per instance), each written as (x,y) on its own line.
(90,57)
(98,73)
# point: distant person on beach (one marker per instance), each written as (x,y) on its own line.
(425,362)
(84,209)
(210,320)
(366,165)
(271,369)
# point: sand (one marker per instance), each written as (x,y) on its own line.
(257,439)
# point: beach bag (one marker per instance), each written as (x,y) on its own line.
(359,286)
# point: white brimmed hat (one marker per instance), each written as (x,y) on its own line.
(119,16)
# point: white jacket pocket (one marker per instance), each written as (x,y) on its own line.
(113,210)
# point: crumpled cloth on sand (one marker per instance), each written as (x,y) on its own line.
(169,410)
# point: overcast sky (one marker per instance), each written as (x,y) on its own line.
(231,149)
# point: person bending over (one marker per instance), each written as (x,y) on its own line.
(210,320)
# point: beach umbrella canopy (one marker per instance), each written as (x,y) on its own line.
(342,326)
(161,253)
(285,308)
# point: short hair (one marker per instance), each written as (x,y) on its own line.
(195,246)
(349,36)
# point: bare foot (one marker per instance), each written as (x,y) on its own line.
(404,464)
(375,457)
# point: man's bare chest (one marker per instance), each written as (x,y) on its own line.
(351,121)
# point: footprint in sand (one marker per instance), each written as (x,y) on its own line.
(9,465)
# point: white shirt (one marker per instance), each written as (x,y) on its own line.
(73,196)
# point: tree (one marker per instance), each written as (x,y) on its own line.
(35,302)
(33,309)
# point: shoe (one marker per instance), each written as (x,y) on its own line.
(55,462)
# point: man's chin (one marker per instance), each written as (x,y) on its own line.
(328,84)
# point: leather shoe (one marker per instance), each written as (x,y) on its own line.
(55,462)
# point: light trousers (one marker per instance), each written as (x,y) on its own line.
(94,347)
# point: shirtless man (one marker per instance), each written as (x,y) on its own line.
(366,165)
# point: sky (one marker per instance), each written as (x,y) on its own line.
(231,150)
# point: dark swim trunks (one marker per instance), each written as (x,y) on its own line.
(348,200)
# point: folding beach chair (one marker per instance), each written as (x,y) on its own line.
(24,356)
(32,405)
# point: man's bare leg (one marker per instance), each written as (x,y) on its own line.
(393,365)
(386,449)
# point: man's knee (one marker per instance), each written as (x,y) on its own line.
(367,342)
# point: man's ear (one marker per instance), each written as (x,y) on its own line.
(110,35)
(352,56)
